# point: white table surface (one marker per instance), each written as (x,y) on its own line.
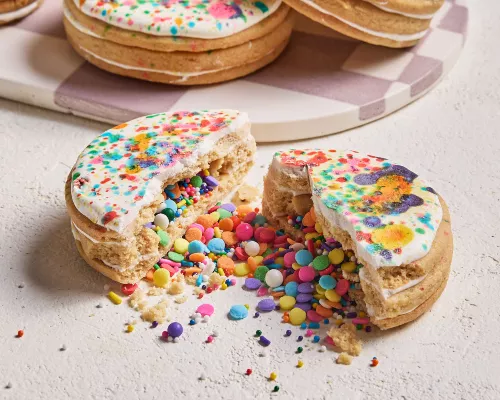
(451,136)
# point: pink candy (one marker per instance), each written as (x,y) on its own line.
(198,226)
(208,234)
(262,291)
(240,254)
(307,274)
(327,271)
(342,287)
(267,235)
(250,217)
(205,309)
(244,231)
(362,321)
(289,259)
(313,316)
(309,333)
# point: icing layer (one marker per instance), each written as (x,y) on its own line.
(204,19)
(391,214)
(123,169)
(392,36)
(16,14)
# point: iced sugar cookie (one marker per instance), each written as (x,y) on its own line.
(394,222)
(178,42)
(12,10)
(136,188)
(391,23)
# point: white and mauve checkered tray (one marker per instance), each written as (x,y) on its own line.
(323,83)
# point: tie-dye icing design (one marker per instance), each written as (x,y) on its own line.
(203,19)
(123,169)
(391,214)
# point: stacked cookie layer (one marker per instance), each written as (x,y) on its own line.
(124,193)
(12,10)
(391,23)
(178,42)
(396,225)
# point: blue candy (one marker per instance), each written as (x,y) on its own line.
(238,312)
(303,257)
(314,325)
(292,289)
(197,247)
(327,282)
(216,245)
(171,204)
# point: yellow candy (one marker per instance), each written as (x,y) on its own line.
(115,298)
(215,216)
(161,277)
(221,272)
(296,266)
(361,314)
(181,245)
(311,235)
(181,203)
(223,286)
(258,259)
(206,172)
(319,296)
(241,269)
(287,302)
(297,316)
(217,232)
(300,363)
(348,266)
(130,328)
(279,260)
(318,227)
(185,211)
(319,289)
(336,256)
(273,376)
(315,305)
(332,295)
(339,321)
(247,306)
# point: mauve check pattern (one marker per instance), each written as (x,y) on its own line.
(311,65)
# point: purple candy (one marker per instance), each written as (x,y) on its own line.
(252,283)
(304,297)
(266,305)
(229,207)
(304,306)
(264,341)
(211,181)
(306,287)
(175,329)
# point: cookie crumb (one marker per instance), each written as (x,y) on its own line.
(180,299)
(345,338)
(247,192)
(344,359)
(157,312)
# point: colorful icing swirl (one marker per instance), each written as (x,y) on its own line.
(391,214)
(123,169)
(204,19)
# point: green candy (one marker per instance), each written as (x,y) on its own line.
(175,256)
(169,213)
(260,273)
(196,181)
(164,238)
(321,262)
(224,213)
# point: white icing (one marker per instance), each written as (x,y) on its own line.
(385,35)
(16,14)
(93,240)
(417,16)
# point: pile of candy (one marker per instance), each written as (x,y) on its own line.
(303,278)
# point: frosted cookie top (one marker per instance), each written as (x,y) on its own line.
(391,214)
(203,19)
(123,169)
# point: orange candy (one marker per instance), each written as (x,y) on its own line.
(277,295)
(286,318)
(308,220)
(193,234)
(226,264)
(149,275)
(291,278)
(226,224)
(229,238)
(263,248)
(191,270)
(313,214)
(205,220)
(197,257)
(176,191)
(252,264)
(236,221)
(243,210)
(324,312)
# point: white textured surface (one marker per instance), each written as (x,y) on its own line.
(450,136)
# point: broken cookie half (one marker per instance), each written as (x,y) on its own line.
(394,222)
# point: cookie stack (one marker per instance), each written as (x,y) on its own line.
(12,10)
(186,42)
(391,23)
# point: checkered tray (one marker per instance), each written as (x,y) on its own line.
(322,84)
